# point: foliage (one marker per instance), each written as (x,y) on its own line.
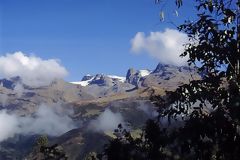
(46,152)
(208,109)
(54,152)
(42,140)
(125,147)
(91,156)
(178,4)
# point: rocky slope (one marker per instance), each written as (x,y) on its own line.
(97,104)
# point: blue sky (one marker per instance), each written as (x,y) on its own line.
(87,36)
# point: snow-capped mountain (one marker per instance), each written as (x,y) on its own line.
(84,82)
(162,75)
(132,77)
(121,79)
(100,79)
(89,99)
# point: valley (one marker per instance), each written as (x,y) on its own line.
(82,115)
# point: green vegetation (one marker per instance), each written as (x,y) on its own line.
(45,151)
(204,115)
(42,141)
(54,152)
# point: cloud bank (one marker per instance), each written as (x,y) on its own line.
(107,121)
(148,109)
(166,46)
(18,89)
(33,70)
(3,99)
(47,120)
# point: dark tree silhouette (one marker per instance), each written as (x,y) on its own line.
(208,109)
(54,152)
(44,151)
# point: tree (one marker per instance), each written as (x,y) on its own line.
(209,108)
(44,151)
(214,100)
(42,141)
(54,152)
(147,146)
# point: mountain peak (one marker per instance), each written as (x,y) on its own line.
(134,76)
(100,79)
(87,77)
(162,67)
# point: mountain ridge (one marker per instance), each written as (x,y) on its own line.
(84,105)
(132,76)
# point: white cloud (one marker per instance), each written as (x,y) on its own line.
(165,46)
(107,121)
(33,70)
(19,89)
(51,120)
(3,99)
(148,109)
(48,120)
(7,129)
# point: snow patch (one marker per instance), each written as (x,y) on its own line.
(144,73)
(121,79)
(97,77)
(83,83)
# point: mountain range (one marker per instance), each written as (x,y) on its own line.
(81,116)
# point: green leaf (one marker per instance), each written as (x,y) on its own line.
(178,3)
(210,6)
(162,16)
(176,13)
